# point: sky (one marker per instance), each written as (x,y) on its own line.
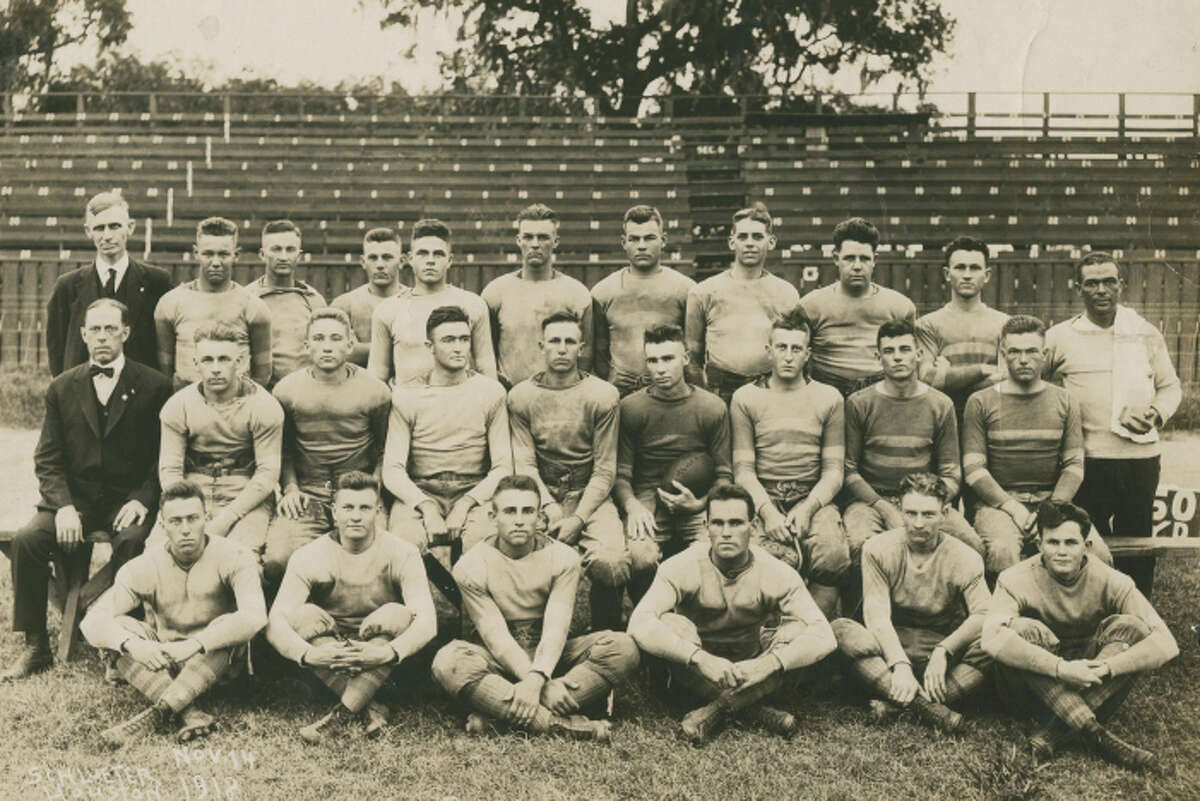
(1014,45)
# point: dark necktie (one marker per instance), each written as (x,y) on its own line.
(95,370)
(110,284)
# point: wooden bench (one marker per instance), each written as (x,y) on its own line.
(1152,549)
(72,583)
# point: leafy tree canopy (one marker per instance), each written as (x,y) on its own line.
(699,47)
(34,32)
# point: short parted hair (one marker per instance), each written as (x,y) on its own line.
(965,243)
(355,480)
(924,484)
(113,302)
(382,235)
(1097,257)
(758,212)
(732,492)
(562,316)
(894,328)
(103,202)
(430,227)
(1052,514)
(516,481)
(658,334)
(280,227)
(793,319)
(180,491)
(330,313)
(642,214)
(220,332)
(1023,324)
(217,226)
(855,229)
(442,315)
(537,211)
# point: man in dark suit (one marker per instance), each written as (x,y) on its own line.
(96,464)
(114,275)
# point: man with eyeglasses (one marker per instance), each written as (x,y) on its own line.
(1115,363)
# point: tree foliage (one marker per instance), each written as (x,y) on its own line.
(34,32)
(698,47)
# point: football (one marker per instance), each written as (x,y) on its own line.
(696,471)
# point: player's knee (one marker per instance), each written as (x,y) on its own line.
(609,567)
(681,627)
(389,620)
(311,621)
(1122,628)
(1002,554)
(853,639)
(456,665)
(614,655)
(1034,631)
(643,556)
(828,556)
(976,657)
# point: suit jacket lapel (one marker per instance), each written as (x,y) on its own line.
(119,398)
(134,291)
(87,400)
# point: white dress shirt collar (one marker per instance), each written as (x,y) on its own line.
(120,267)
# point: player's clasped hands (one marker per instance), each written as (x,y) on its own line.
(1082,673)
(527,695)
(718,670)
(557,697)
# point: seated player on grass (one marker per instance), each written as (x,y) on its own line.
(202,600)
(924,599)
(353,605)
(1073,633)
(519,588)
(733,622)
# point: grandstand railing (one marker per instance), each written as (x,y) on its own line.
(1165,292)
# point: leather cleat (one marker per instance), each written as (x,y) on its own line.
(578,727)
(1116,750)
(377,717)
(883,711)
(938,715)
(33,659)
(196,724)
(774,720)
(701,724)
(316,732)
(148,721)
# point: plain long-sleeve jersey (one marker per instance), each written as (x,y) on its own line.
(729,611)
(537,589)
(656,432)
(888,437)
(1029,447)
(331,428)
(518,307)
(788,436)
(572,429)
(217,600)
(1073,612)
(729,320)
(462,428)
(244,435)
(844,328)
(626,304)
(350,586)
(966,340)
(398,349)
(943,591)
(186,308)
(290,309)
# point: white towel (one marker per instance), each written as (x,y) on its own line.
(1132,374)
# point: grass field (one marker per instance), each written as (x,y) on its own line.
(50,726)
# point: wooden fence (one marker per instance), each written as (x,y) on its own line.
(1165,292)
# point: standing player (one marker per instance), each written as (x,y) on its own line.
(519,588)
(1116,365)
(447,442)
(660,426)
(1022,444)
(202,602)
(960,341)
(352,608)
(382,258)
(924,599)
(846,314)
(225,433)
(643,295)
(289,300)
(335,420)
(399,347)
(732,621)
(519,301)
(113,275)
(729,315)
(896,427)
(1075,634)
(789,436)
(564,436)
(212,298)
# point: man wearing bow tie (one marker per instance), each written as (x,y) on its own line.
(96,465)
(113,275)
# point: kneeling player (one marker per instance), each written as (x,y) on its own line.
(1075,633)
(924,599)
(706,612)
(519,589)
(353,605)
(202,601)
